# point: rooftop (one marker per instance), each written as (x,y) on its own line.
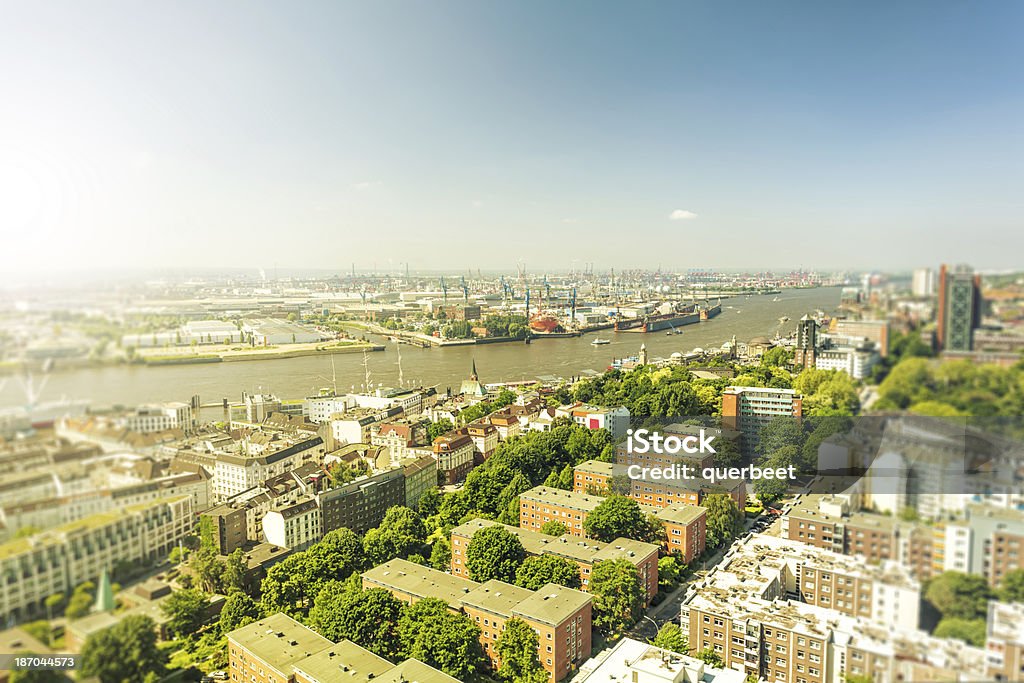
(421,582)
(552,604)
(279,641)
(569,547)
(343,660)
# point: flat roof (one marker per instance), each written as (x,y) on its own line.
(570,547)
(343,660)
(415,671)
(552,604)
(420,581)
(279,641)
(496,597)
(681,514)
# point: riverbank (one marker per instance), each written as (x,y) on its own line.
(235,354)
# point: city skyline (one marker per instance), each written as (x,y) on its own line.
(255,136)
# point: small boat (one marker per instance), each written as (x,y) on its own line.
(775,299)
(784,319)
(599,342)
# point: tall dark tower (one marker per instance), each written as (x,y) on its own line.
(806,342)
(959,311)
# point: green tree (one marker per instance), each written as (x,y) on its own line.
(235,569)
(185,610)
(124,653)
(36,675)
(617,593)
(669,571)
(239,610)
(1011,588)
(431,633)
(537,571)
(494,553)
(516,647)
(284,588)
(207,568)
(724,519)
(366,617)
(959,595)
(971,631)
(81,601)
(400,533)
(770,490)
(617,517)
(670,637)
(710,657)
(553,528)
(429,503)
(441,554)
(436,429)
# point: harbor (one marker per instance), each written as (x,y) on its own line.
(746,318)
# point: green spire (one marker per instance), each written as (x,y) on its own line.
(104,594)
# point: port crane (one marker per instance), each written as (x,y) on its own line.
(465,289)
(444,291)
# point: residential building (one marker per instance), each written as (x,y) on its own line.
(57,560)
(561,616)
(600,478)
(1004,641)
(615,420)
(749,409)
(584,553)
(959,310)
(785,612)
(295,526)
(922,283)
(278,649)
(161,417)
(361,504)
(639,662)
(877,332)
(454,455)
(685,529)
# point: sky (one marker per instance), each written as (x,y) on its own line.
(484,134)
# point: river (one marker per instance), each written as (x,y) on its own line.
(745,317)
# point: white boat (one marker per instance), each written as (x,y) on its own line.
(599,342)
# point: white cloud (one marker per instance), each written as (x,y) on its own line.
(682,215)
(366,184)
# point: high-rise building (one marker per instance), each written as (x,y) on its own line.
(923,282)
(806,342)
(959,310)
(748,409)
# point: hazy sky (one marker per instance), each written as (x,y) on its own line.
(476,134)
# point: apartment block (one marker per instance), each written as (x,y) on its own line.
(543,504)
(584,553)
(560,616)
(600,478)
(787,612)
(454,455)
(615,420)
(635,660)
(278,649)
(295,526)
(1004,641)
(749,409)
(57,560)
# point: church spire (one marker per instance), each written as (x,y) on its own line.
(473,375)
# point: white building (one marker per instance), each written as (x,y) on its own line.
(856,363)
(277,331)
(923,282)
(249,466)
(160,417)
(296,526)
(615,420)
(637,662)
(57,560)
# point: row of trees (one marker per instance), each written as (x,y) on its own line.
(961,601)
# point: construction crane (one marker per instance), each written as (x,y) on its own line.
(572,305)
(465,289)
(444,291)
